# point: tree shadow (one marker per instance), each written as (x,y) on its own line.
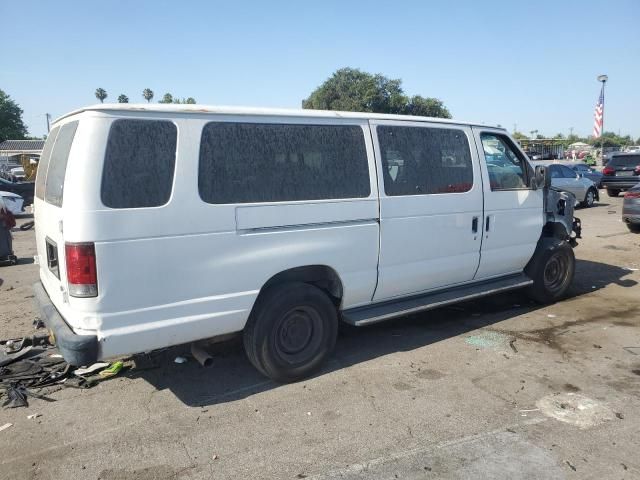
(232,377)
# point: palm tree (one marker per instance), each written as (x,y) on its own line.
(147,93)
(101,94)
(123,99)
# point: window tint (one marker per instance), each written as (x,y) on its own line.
(506,167)
(567,172)
(555,171)
(43,164)
(139,163)
(54,183)
(625,160)
(252,162)
(422,160)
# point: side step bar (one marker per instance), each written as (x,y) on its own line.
(396,308)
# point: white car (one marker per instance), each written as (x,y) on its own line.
(13,202)
(295,221)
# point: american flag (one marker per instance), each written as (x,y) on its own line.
(597,116)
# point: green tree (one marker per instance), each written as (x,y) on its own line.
(147,93)
(122,98)
(11,125)
(101,94)
(167,98)
(519,136)
(353,90)
(190,101)
(559,136)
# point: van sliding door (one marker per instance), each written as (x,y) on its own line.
(430,206)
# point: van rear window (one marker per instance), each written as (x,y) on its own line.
(43,164)
(139,163)
(255,162)
(54,183)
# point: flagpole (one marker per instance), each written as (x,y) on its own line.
(603,79)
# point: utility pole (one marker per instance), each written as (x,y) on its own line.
(515,127)
(571,131)
(48,115)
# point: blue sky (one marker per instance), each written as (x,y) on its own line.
(533,64)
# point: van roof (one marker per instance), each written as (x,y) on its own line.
(228,110)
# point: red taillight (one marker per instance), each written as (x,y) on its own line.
(632,195)
(81,269)
(637,170)
(608,170)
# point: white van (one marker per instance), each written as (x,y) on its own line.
(159,225)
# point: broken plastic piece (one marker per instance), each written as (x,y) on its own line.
(113,370)
(92,368)
(5,426)
(33,415)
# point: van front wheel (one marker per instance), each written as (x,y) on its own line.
(291,331)
(552,273)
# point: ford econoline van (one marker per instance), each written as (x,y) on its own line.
(160,225)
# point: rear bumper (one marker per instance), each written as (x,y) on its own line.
(624,183)
(78,350)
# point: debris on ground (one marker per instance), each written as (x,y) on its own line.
(33,415)
(5,426)
(112,371)
(32,367)
(90,369)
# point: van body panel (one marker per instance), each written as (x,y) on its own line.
(427,241)
(515,219)
(188,270)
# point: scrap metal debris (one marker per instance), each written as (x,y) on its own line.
(32,367)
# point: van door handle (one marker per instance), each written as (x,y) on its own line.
(487,224)
(474,225)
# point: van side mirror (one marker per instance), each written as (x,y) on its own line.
(541,177)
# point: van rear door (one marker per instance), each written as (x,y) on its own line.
(48,210)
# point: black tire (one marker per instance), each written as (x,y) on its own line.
(552,271)
(589,198)
(291,331)
(612,192)
(634,227)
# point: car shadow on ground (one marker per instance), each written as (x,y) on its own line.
(232,377)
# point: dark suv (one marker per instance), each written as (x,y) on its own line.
(621,173)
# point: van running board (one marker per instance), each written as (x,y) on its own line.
(382,311)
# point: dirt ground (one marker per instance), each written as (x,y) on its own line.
(497,388)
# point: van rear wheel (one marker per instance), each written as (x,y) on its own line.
(291,331)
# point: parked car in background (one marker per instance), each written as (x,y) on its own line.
(13,202)
(565,179)
(17,174)
(631,209)
(24,189)
(621,173)
(586,171)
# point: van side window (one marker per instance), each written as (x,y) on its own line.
(255,162)
(43,164)
(139,163)
(506,166)
(54,183)
(424,160)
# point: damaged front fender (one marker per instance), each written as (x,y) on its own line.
(559,207)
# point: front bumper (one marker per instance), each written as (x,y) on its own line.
(78,350)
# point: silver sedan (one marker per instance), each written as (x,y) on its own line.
(631,209)
(565,179)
